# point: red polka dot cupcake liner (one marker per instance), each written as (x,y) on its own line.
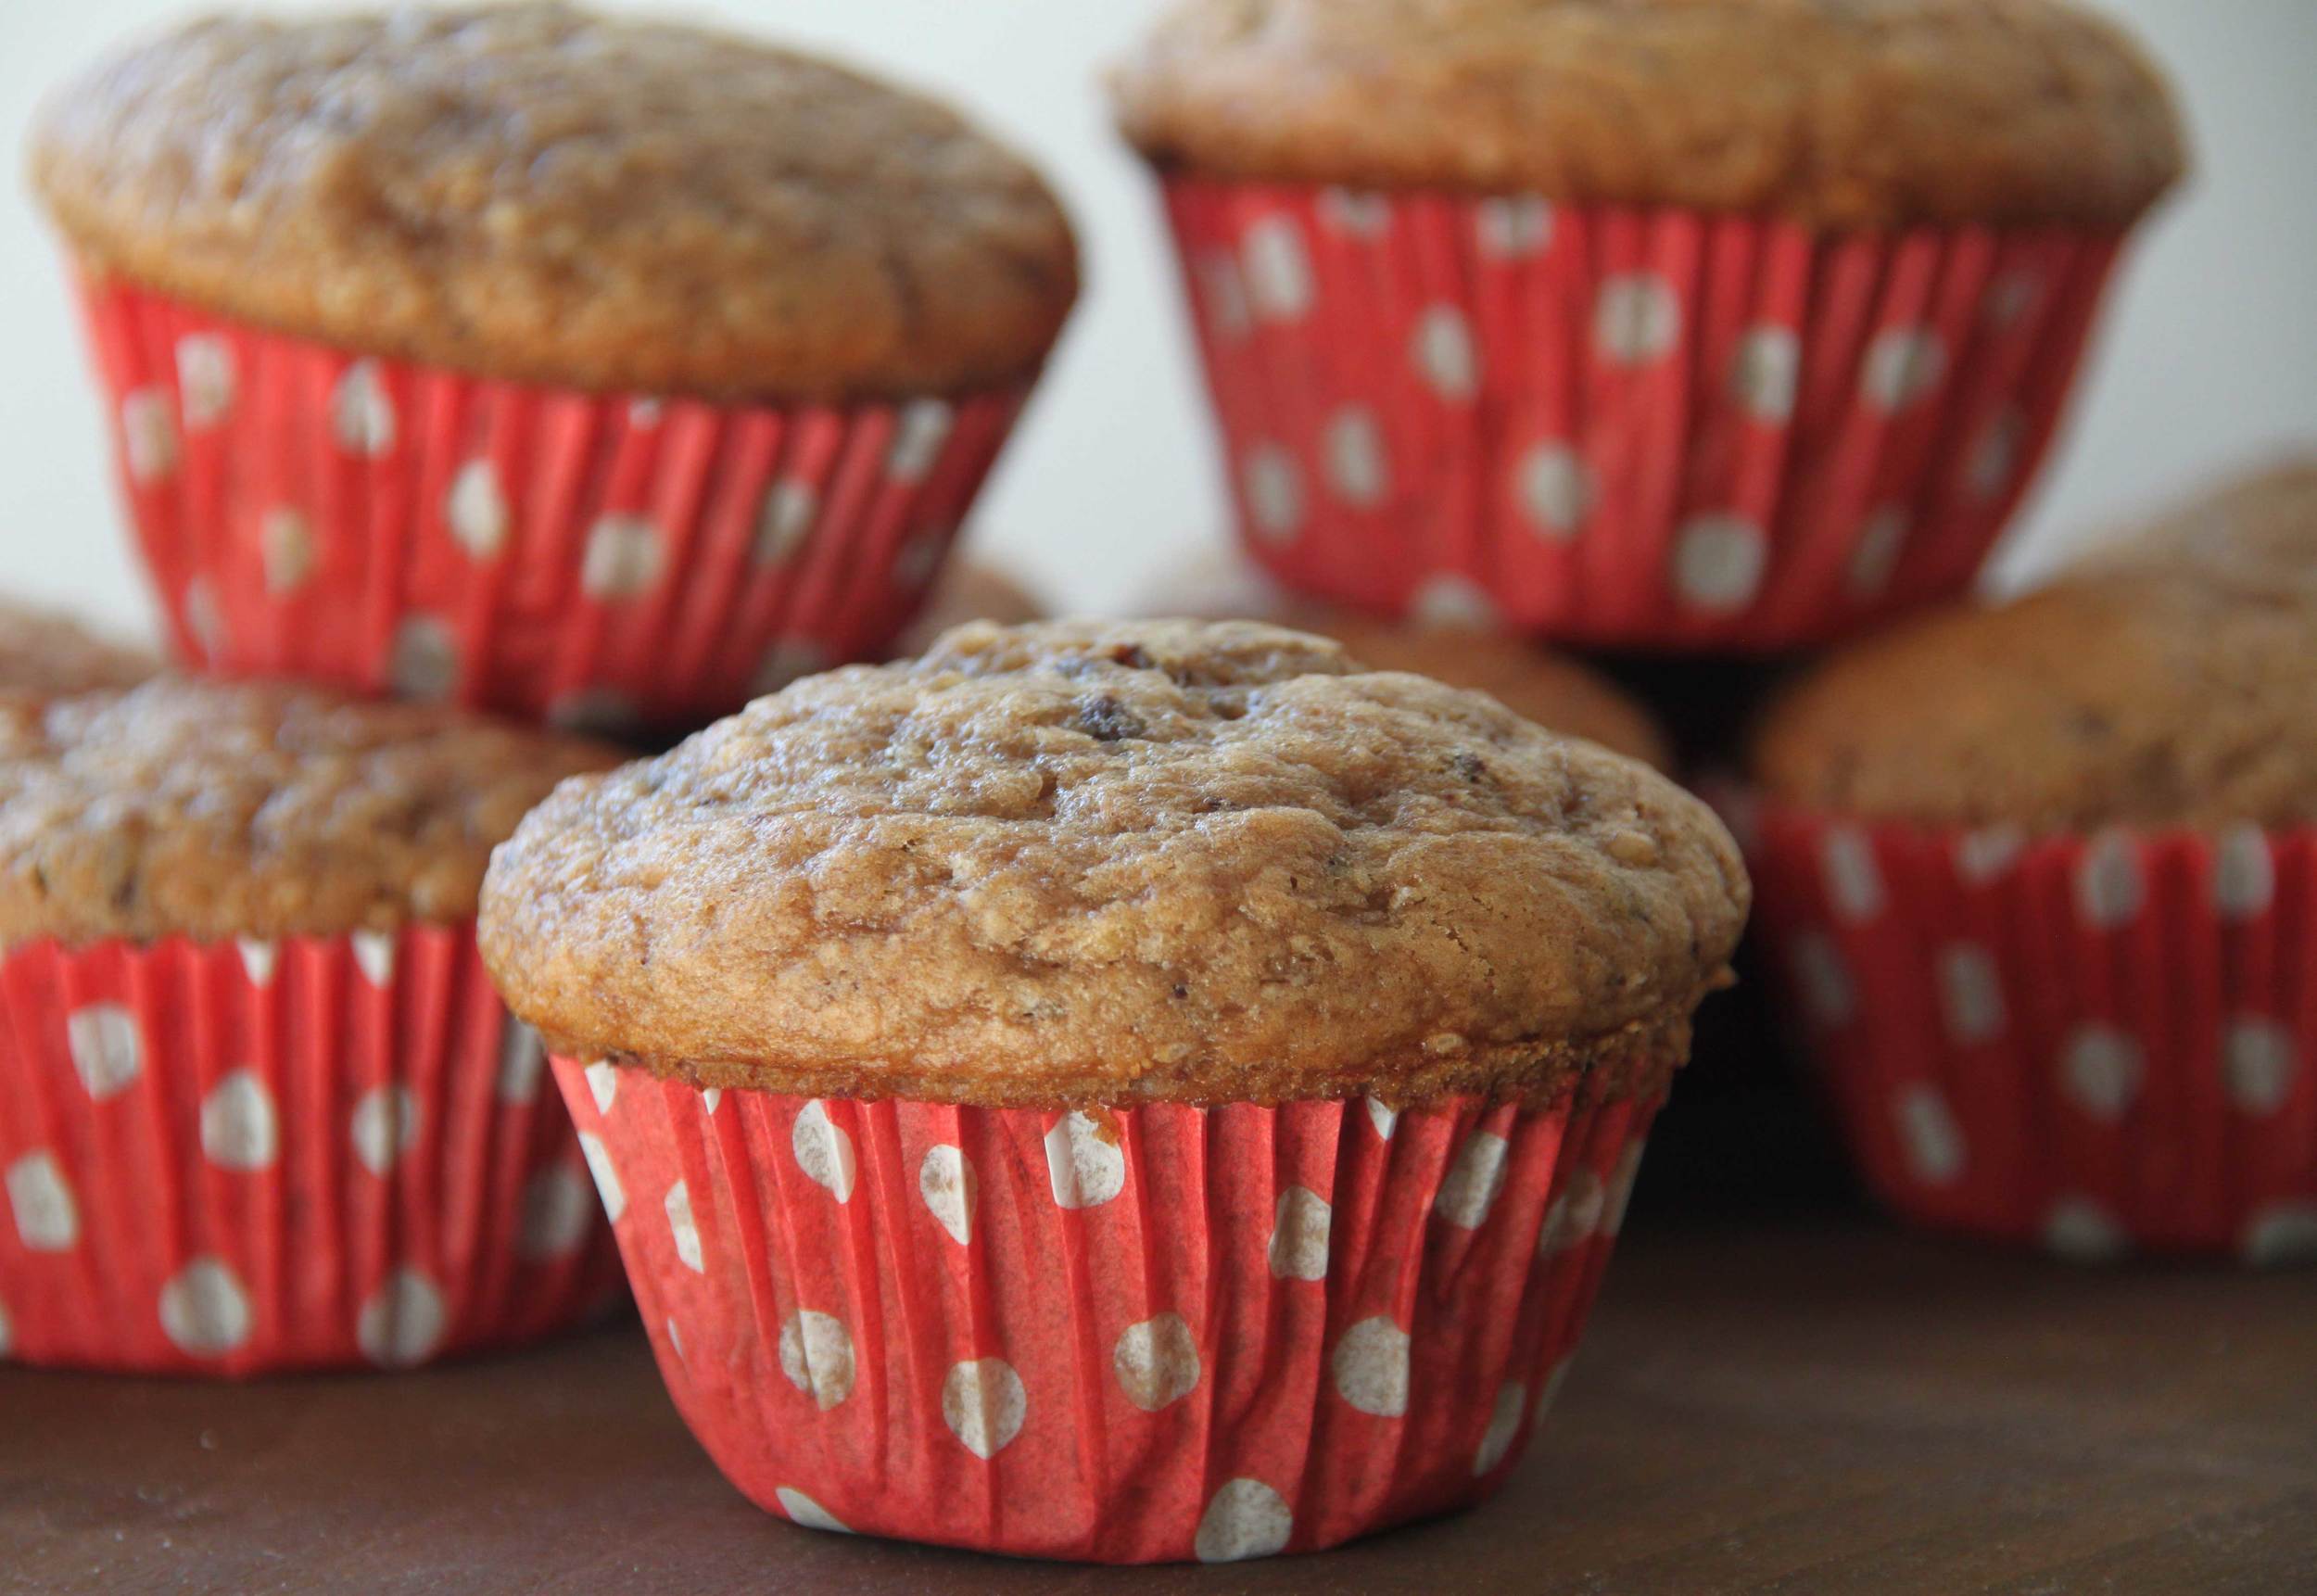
(1144,1335)
(243,1157)
(2103,1044)
(602,562)
(1625,429)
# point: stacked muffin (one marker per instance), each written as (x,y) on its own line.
(596,372)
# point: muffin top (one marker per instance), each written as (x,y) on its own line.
(537,194)
(1081,861)
(211,809)
(1843,114)
(43,651)
(2163,680)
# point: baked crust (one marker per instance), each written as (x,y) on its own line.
(1844,114)
(1111,862)
(536,194)
(2165,678)
(212,809)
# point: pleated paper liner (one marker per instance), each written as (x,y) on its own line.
(600,560)
(2101,1044)
(1649,430)
(1159,1333)
(243,1157)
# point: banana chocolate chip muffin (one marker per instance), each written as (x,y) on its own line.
(543,279)
(1118,956)
(1817,271)
(2039,869)
(245,1022)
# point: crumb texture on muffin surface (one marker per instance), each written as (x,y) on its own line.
(537,194)
(2165,678)
(212,809)
(1845,114)
(1086,862)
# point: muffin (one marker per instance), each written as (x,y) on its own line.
(260,1109)
(608,370)
(1554,691)
(44,651)
(1121,1090)
(1671,325)
(969,590)
(2041,875)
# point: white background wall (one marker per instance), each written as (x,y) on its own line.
(2211,356)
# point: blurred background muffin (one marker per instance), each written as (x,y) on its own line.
(2040,874)
(45,651)
(1572,310)
(260,1108)
(592,369)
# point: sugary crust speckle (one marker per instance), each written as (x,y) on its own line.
(533,192)
(2166,679)
(1846,114)
(1105,862)
(212,809)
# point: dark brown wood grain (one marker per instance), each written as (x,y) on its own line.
(1810,1403)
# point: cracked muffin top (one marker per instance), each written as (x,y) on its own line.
(2164,677)
(1077,863)
(533,193)
(45,651)
(1843,114)
(212,809)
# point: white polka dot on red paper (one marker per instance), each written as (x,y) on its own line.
(1719,561)
(804,1510)
(683,1228)
(361,412)
(602,1079)
(258,957)
(1356,470)
(287,549)
(1994,460)
(1557,489)
(1274,492)
(475,510)
(204,618)
(1278,271)
(403,1322)
(606,1176)
(386,1126)
(946,1182)
(1445,355)
(711,1098)
(557,1209)
(240,1129)
(824,1150)
(205,1310)
(1550,1392)
(1875,558)
(1355,213)
(1513,227)
(1637,319)
(1903,367)
(2281,1234)
(1300,1223)
(148,435)
(625,558)
(1854,881)
(1620,1188)
(1085,1165)
(1929,1136)
(789,509)
(423,661)
(1383,1117)
(2109,889)
(1574,1215)
(1469,1189)
(1971,994)
(2244,873)
(374,956)
(1986,852)
(1157,1362)
(1245,1518)
(816,1356)
(919,438)
(1223,292)
(984,1404)
(1454,603)
(1766,372)
(2258,1063)
(2101,1068)
(2011,297)
(1825,981)
(205,379)
(1369,1367)
(1504,1424)
(108,1048)
(47,1214)
(2078,1228)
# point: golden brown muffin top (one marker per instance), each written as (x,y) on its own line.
(1843,114)
(2167,679)
(1103,862)
(533,193)
(47,651)
(212,809)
